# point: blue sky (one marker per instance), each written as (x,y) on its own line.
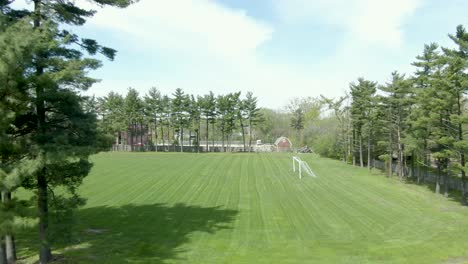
(278,49)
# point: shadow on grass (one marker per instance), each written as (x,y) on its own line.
(453,195)
(138,233)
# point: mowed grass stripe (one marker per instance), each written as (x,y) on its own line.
(216,194)
(123,171)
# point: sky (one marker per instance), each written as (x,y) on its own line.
(278,49)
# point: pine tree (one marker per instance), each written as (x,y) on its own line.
(339,111)
(297,123)
(180,114)
(111,110)
(61,132)
(252,114)
(362,94)
(226,106)
(165,117)
(194,121)
(208,108)
(153,110)
(133,112)
(15,58)
(427,64)
(397,104)
(224,116)
(457,85)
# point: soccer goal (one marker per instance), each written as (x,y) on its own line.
(302,167)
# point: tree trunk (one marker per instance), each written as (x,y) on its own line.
(437,190)
(150,132)
(222,140)
(190,138)
(181,139)
(463,177)
(3,259)
(403,162)
(369,165)
(354,147)
(142,131)
(168,136)
(412,164)
(343,138)
(198,136)
(250,135)
(348,135)
(10,247)
(155,133)
(420,174)
(446,177)
(426,161)
(462,155)
(207,128)
(243,133)
(361,161)
(390,153)
(45,254)
(212,134)
(130,136)
(162,137)
(399,154)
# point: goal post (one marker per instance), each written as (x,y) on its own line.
(302,166)
(297,160)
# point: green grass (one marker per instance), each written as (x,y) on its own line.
(251,208)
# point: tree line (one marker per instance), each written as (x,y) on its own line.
(170,119)
(417,121)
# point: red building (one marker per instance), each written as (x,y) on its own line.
(283,144)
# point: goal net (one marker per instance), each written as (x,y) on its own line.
(302,167)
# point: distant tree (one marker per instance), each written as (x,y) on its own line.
(309,112)
(362,94)
(133,111)
(153,109)
(241,114)
(297,122)
(194,121)
(227,116)
(427,64)
(111,109)
(398,103)
(165,117)
(180,114)
(252,114)
(340,112)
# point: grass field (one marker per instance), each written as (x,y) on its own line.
(251,208)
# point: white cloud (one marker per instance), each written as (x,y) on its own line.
(188,25)
(371,21)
